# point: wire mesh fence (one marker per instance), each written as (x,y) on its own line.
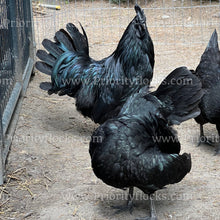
(171,22)
(6,61)
(16,63)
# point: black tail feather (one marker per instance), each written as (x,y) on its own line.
(80,40)
(52,47)
(73,41)
(47,58)
(86,38)
(43,67)
(63,37)
(213,42)
(181,92)
(45,86)
(210,55)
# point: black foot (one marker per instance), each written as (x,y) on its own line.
(129,207)
(205,140)
(147,218)
(153,215)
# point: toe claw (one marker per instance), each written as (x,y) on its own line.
(205,140)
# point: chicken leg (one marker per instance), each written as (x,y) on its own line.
(153,214)
(203,139)
(129,206)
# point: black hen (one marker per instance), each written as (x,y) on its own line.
(100,87)
(138,148)
(208,71)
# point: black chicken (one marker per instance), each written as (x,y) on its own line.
(100,87)
(208,71)
(139,148)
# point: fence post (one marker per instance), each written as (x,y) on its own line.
(28,16)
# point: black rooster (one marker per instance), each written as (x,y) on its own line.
(139,148)
(100,87)
(208,71)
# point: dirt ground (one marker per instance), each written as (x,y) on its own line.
(49,174)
